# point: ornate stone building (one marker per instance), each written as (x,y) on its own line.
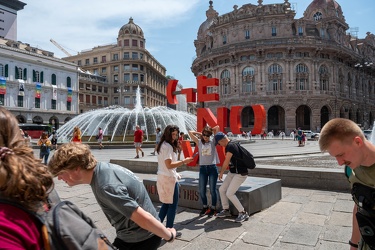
(303,71)
(125,66)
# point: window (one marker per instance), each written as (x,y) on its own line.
(115,68)
(115,57)
(115,100)
(53,79)
(126,42)
(53,104)
(126,67)
(134,55)
(247,34)
(20,101)
(322,33)
(135,77)
(126,89)
(100,89)
(224,39)
(248,81)
(79,62)
(274,31)
(19,73)
(115,78)
(225,82)
(323,78)
(302,77)
(126,77)
(127,100)
(104,59)
(275,77)
(300,31)
(141,44)
(99,100)
(104,70)
(105,89)
(95,60)
(135,67)
(134,43)
(2,103)
(68,106)
(140,55)
(1,70)
(87,61)
(317,16)
(126,55)
(37,103)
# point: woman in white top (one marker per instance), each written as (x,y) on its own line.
(167,176)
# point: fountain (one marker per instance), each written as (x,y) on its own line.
(118,123)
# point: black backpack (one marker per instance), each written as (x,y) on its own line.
(43,148)
(65,226)
(246,160)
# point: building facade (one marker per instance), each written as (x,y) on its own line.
(8,18)
(127,66)
(303,71)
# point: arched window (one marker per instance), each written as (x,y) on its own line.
(248,80)
(36,76)
(18,73)
(225,82)
(53,79)
(275,77)
(68,82)
(317,16)
(302,77)
(323,78)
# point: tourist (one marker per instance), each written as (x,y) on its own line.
(122,197)
(100,138)
(157,139)
(138,139)
(232,182)
(208,173)
(344,140)
(77,136)
(23,180)
(179,149)
(167,176)
(54,140)
(44,147)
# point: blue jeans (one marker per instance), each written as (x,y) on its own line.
(44,155)
(170,210)
(208,173)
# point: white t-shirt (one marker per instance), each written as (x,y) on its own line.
(166,152)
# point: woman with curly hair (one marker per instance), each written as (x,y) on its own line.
(23,180)
(167,176)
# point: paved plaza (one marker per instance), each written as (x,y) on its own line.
(302,219)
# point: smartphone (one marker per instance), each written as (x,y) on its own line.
(195,154)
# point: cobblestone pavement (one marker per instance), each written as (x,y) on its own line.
(302,219)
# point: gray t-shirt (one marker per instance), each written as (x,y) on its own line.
(158,137)
(119,193)
(207,153)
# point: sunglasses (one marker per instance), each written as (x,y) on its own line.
(206,135)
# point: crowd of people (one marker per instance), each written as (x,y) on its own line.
(27,181)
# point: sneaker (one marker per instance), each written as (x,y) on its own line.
(136,157)
(203,211)
(153,153)
(242,217)
(223,213)
(143,154)
(211,212)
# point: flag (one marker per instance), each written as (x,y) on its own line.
(70,93)
(3,87)
(38,89)
(54,92)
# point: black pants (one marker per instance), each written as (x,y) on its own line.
(149,244)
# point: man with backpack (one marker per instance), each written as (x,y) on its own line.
(122,197)
(234,153)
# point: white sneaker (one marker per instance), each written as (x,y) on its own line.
(242,217)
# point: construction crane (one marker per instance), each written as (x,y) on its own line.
(60,47)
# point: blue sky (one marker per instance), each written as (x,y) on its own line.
(170,26)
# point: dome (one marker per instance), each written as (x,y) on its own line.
(211,14)
(322,9)
(130,29)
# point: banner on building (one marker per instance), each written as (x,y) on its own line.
(21,89)
(3,87)
(70,94)
(54,92)
(38,89)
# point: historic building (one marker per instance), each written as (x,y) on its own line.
(34,85)
(303,71)
(126,65)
